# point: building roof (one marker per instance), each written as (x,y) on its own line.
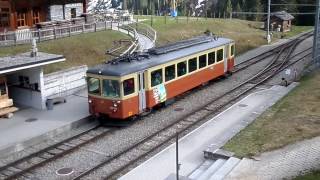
(283,15)
(157,56)
(25,61)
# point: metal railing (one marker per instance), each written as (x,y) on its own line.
(146,30)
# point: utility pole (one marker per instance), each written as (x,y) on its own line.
(316,52)
(177,157)
(268,23)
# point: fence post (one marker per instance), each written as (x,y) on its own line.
(15,38)
(69,30)
(230,15)
(95,27)
(214,15)
(54,32)
(118,25)
(224,15)
(5,35)
(39,35)
(83,27)
(105,25)
(111,23)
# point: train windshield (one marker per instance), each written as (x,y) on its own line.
(111,88)
(93,85)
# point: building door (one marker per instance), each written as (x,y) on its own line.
(35,15)
(142,91)
(226,56)
(73,12)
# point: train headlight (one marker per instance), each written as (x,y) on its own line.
(89,101)
(115,105)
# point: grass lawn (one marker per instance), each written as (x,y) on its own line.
(81,49)
(247,34)
(294,118)
(309,176)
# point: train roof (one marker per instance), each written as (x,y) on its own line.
(157,56)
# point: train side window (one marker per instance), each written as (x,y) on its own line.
(211,58)
(182,68)
(219,55)
(156,77)
(128,86)
(93,85)
(202,61)
(170,72)
(111,88)
(232,49)
(192,64)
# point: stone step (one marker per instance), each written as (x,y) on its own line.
(201,169)
(212,169)
(213,153)
(225,169)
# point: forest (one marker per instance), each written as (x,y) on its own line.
(215,8)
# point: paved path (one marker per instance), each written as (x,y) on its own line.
(143,41)
(284,163)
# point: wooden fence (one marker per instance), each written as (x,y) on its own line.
(25,36)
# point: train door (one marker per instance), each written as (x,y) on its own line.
(226,53)
(142,92)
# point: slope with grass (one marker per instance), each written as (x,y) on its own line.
(247,34)
(294,118)
(82,49)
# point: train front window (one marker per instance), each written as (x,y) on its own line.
(182,68)
(128,86)
(111,88)
(170,72)
(93,85)
(202,61)
(156,77)
(232,49)
(211,58)
(220,55)
(192,64)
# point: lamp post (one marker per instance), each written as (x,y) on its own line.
(315,53)
(268,23)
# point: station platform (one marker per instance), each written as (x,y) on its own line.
(29,126)
(214,134)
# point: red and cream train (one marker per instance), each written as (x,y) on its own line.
(130,85)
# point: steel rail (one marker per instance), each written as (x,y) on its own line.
(54,156)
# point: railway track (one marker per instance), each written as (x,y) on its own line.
(24,167)
(112,167)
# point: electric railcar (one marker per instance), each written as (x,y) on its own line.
(130,85)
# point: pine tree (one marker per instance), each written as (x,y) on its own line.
(228,8)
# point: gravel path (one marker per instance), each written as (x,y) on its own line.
(284,163)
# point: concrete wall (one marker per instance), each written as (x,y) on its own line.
(56,11)
(66,82)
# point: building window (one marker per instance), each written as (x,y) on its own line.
(111,88)
(192,64)
(128,87)
(93,85)
(182,68)
(211,58)
(220,55)
(170,72)
(4,17)
(21,18)
(156,77)
(73,12)
(202,61)
(35,15)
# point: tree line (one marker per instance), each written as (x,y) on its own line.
(215,8)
